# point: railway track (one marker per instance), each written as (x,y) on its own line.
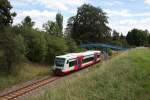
(15,94)
(26,89)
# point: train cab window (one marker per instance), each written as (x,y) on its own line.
(59,62)
(72,63)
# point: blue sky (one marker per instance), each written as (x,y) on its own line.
(124,15)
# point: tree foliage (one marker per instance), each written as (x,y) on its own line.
(52,28)
(55,46)
(6,16)
(115,35)
(59,21)
(13,48)
(137,37)
(72,46)
(89,24)
(35,43)
(27,22)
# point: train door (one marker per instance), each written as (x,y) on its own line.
(95,57)
(79,61)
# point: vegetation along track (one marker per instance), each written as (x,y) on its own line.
(14,94)
(26,89)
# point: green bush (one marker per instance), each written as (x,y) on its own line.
(55,46)
(109,52)
(35,43)
(124,77)
(12,49)
(72,47)
(122,43)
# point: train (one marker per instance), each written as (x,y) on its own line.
(65,64)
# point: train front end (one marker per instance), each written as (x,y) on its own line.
(59,65)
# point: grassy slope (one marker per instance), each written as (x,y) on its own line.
(27,72)
(125,77)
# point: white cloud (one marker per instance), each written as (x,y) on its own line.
(128,24)
(122,13)
(53,4)
(62,5)
(133,0)
(128,21)
(147,2)
(113,2)
(125,18)
(39,17)
(126,13)
(37,13)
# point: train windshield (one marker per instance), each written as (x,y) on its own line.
(60,62)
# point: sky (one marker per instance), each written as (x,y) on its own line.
(123,15)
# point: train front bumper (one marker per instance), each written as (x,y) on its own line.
(58,72)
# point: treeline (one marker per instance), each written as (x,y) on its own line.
(23,42)
(90,25)
(137,37)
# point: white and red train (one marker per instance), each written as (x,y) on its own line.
(65,64)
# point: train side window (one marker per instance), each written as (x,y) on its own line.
(67,61)
(98,56)
(88,59)
(72,63)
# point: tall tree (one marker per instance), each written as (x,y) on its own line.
(115,35)
(12,47)
(51,28)
(137,37)
(89,24)
(6,17)
(121,36)
(69,28)
(59,21)
(28,22)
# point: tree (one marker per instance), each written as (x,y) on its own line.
(51,28)
(115,35)
(149,40)
(12,47)
(35,43)
(72,47)
(137,37)
(6,17)
(27,22)
(59,21)
(121,36)
(55,46)
(89,24)
(69,28)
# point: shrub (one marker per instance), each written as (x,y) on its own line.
(55,46)
(122,43)
(12,49)
(109,52)
(35,43)
(72,47)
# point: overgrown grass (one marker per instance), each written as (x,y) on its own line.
(125,77)
(27,72)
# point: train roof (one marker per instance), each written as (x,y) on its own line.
(75,55)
